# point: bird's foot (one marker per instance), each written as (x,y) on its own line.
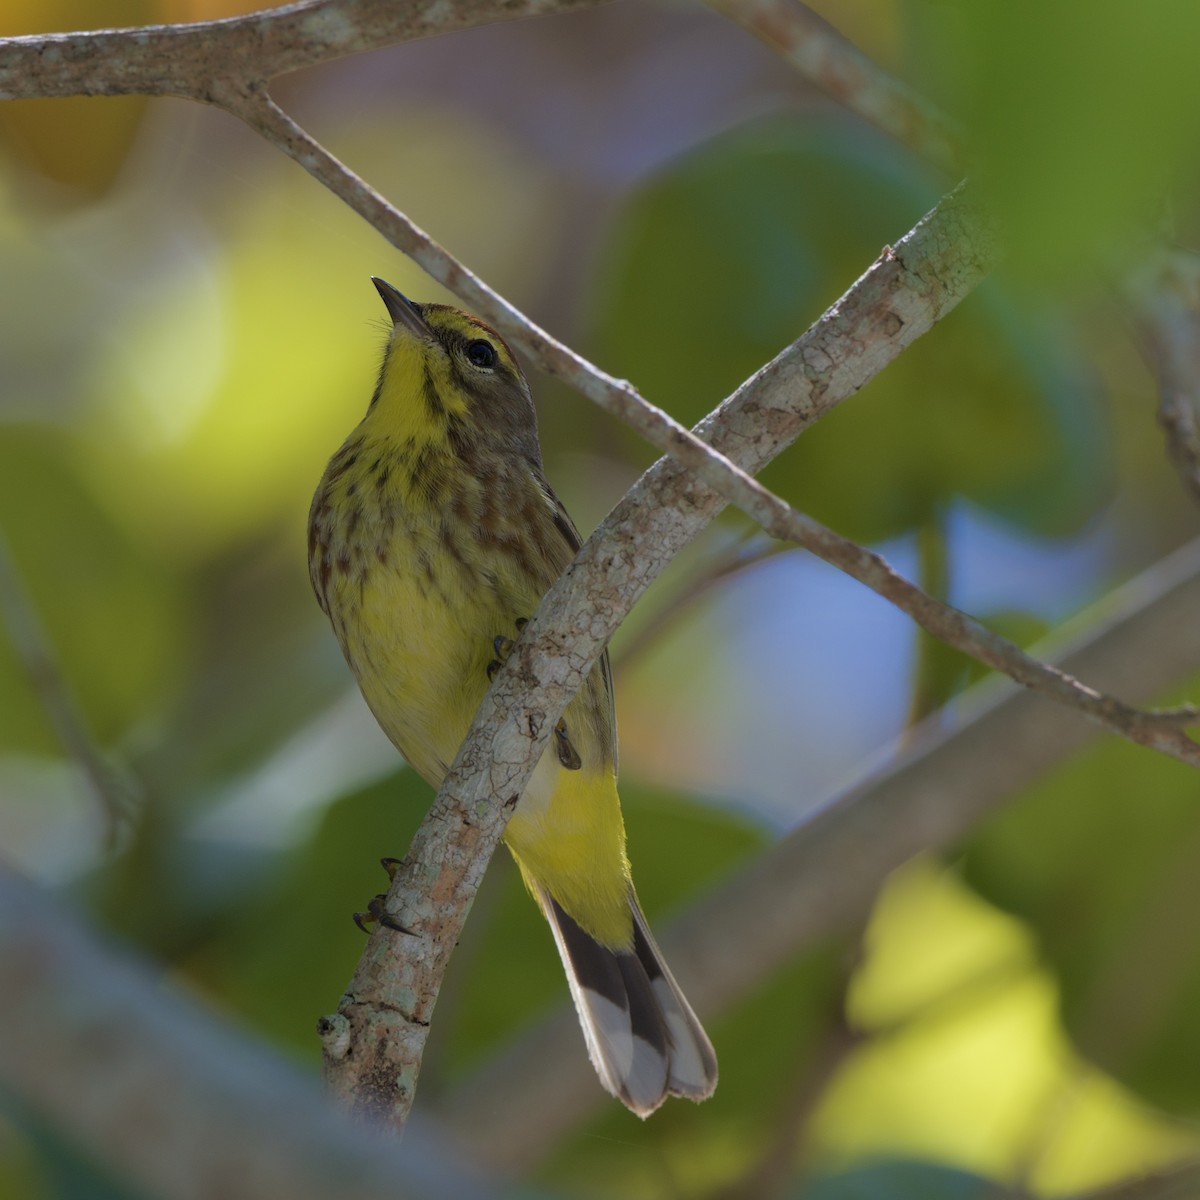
(376,914)
(501,645)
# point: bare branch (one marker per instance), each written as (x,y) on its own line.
(827,60)
(1165,296)
(1161,731)
(895,303)
(114,797)
(821,878)
(615,396)
(230,70)
(200,59)
(152,1086)
(724,565)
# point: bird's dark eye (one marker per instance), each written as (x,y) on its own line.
(481,353)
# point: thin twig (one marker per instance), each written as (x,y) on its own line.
(814,883)
(1160,730)
(615,396)
(18,615)
(826,59)
(192,58)
(1165,296)
(730,481)
(716,570)
(519,734)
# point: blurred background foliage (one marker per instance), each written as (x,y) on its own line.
(188,331)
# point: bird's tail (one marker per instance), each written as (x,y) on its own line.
(642,1036)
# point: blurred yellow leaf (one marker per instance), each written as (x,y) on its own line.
(231,385)
(80,142)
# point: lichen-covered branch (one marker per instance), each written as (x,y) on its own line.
(1165,297)
(201,59)
(827,60)
(816,882)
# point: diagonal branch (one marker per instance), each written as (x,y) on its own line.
(819,879)
(1165,297)
(1160,731)
(374,1042)
(115,797)
(899,298)
(829,61)
(189,59)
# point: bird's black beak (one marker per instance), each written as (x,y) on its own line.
(401,309)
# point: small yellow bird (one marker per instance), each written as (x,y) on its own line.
(432,536)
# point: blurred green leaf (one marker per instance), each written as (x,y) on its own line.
(269,663)
(1080,118)
(117,623)
(1102,859)
(900,1180)
(289,950)
(731,252)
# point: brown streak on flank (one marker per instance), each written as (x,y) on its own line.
(563,524)
(341,462)
(464,444)
(343,563)
(449,544)
(429,392)
(461,508)
(539,534)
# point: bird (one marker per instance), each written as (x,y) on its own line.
(433,535)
